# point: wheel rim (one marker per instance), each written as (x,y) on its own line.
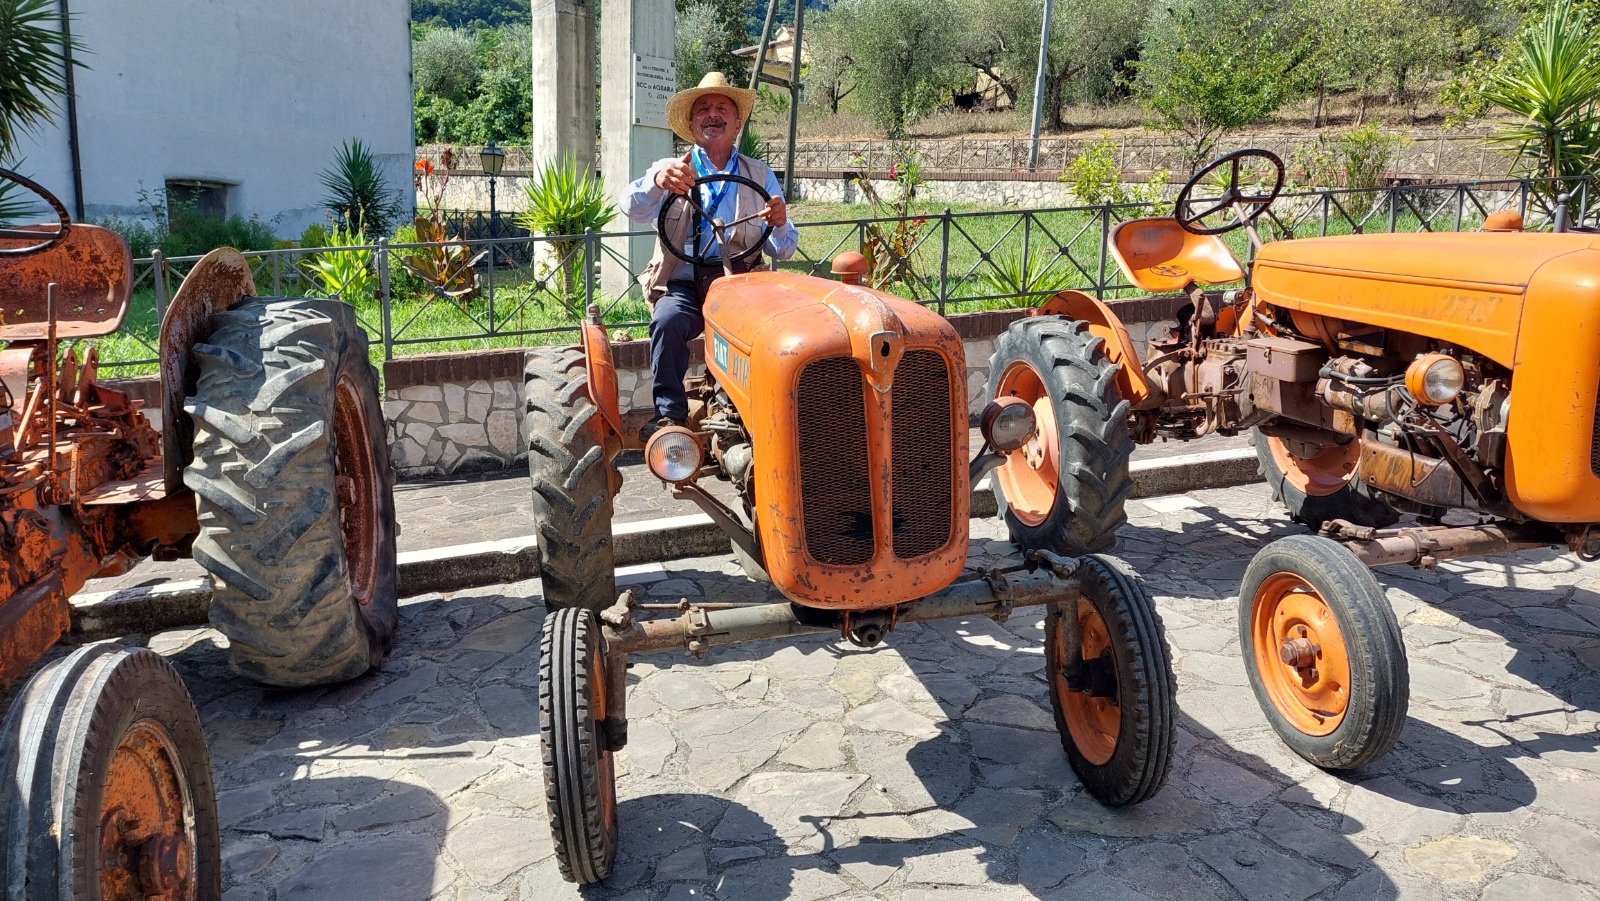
(358,486)
(1029,476)
(1094,723)
(1300,654)
(147,819)
(1325,473)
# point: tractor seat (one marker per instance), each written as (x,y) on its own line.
(1158,256)
(92,272)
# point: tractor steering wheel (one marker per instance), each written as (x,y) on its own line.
(707,220)
(43,237)
(1233,195)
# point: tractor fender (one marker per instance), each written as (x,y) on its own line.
(1105,325)
(220,280)
(602,375)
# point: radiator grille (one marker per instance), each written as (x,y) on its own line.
(921,487)
(1594,440)
(835,484)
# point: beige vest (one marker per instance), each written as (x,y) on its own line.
(665,267)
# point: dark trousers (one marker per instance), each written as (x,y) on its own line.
(673,324)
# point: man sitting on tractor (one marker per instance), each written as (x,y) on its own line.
(710,117)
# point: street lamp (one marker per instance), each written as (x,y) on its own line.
(493,160)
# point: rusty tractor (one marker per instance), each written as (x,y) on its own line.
(838,414)
(271,469)
(1375,373)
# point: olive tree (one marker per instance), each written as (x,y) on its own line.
(900,58)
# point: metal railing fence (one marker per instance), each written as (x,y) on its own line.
(510,290)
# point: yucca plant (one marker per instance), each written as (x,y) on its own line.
(1550,80)
(33,66)
(357,190)
(562,202)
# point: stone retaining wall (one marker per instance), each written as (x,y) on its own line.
(451,414)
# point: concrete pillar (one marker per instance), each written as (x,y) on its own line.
(637,76)
(563,81)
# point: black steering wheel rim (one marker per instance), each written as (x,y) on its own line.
(1189,220)
(695,211)
(51,237)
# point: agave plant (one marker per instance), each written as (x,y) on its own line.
(1551,81)
(563,203)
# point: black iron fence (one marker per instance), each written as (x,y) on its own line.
(498,286)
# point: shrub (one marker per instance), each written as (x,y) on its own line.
(1095,178)
(315,235)
(563,201)
(1357,158)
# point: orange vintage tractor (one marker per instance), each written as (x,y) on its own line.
(271,469)
(839,415)
(1376,374)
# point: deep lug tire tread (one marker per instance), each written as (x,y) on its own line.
(571,481)
(265,482)
(1092,426)
(1146,687)
(1347,503)
(1380,676)
(570,739)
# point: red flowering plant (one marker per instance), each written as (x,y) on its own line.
(889,246)
(443,264)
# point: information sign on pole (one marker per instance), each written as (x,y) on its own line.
(655,80)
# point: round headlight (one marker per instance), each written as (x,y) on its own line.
(1435,379)
(673,453)
(1008,423)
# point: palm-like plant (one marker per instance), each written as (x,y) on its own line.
(1551,81)
(34,56)
(563,203)
(358,192)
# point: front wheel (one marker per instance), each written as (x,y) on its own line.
(1323,652)
(579,778)
(294,491)
(1065,491)
(1119,729)
(106,784)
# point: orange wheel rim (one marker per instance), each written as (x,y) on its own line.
(1325,473)
(1094,723)
(1300,654)
(147,829)
(359,488)
(1030,475)
(603,763)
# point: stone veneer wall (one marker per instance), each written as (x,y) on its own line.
(457,413)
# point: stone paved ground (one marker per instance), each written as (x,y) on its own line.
(928,769)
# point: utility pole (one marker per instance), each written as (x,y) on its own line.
(1038,88)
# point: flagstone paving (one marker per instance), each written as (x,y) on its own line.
(928,769)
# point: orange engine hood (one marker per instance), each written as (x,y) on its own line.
(856,405)
(1464,288)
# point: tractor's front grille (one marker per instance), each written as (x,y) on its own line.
(835,485)
(922,454)
(1594,440)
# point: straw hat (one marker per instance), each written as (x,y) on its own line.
(713,83)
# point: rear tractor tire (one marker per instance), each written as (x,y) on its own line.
(1318,489)
(1323,652)
(294,491)
(1120,731)
(571,482)
(1066,490)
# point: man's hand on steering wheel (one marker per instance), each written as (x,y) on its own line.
(1229,188)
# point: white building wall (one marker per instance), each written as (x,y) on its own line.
(258,95)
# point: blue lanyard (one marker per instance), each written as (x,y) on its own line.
(702,165)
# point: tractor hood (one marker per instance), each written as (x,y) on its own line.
(1466,288)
